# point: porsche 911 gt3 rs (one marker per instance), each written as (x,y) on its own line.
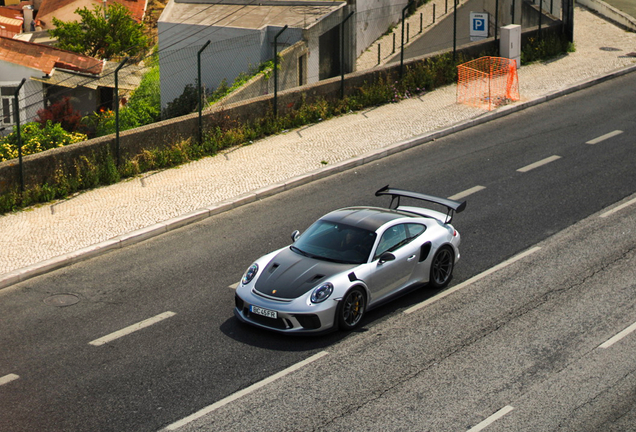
(349,261)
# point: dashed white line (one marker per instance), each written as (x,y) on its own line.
(131,329)
(471,280)
(467,192)
(619,208)
(8,378)
(538,164)
(493,418)
(248,390)
(604,137)
(618,337)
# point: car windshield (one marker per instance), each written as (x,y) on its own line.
(335,242)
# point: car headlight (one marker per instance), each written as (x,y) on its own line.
(249,274)
(322,293)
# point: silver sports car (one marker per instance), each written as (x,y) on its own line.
(349,261)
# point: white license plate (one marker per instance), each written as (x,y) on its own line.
(264,312)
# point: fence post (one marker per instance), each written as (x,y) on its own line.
(200,132)
(496,24)
(540,17)
(342,56)
(276,70)
(402,45)
(16,113)
(121,65)
(434,13)
(379,48)
(422,19)
(454,29)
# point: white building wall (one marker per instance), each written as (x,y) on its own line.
(231,52)
(31,98)
(373,19)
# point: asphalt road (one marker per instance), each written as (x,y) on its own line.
(56,374)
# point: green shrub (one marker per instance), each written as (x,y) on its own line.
(545,48)
(36,138)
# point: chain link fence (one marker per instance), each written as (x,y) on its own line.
(195,70)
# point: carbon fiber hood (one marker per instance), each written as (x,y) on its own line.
(289,275)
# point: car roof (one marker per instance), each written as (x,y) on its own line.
(369,218)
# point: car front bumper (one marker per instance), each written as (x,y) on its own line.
(289,319)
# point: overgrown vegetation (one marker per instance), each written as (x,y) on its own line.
(547,47)
(96,170)
(143,107)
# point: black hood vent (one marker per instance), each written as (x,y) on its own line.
(290,275)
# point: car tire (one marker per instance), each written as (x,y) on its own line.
(442,267)
(351,309)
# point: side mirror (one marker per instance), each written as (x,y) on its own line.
(295,235)
(386,256)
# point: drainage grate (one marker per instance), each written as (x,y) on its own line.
(61,300)
(610,49)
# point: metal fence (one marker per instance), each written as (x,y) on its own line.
(265,61)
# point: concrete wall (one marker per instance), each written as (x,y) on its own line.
(373,19)
(233,51)
(530,15)
(610,12)
(263,84)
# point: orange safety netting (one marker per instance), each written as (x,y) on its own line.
(487,82)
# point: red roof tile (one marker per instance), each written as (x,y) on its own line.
(137,7)
(46,58)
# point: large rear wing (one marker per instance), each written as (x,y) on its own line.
(396,194)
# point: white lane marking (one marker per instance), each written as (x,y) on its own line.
(467,192)
(471,280)
(538,164)
(604,137)
(619,208)
(245,391)
(618,337)
(8,378)
(493,418)
(131,329)
(234,286)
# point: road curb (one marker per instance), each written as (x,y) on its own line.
(142,234)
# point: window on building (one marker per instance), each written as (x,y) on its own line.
(7,95)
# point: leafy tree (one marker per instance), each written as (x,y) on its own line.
(105,37)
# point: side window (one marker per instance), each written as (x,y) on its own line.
(414,230)
(392,239)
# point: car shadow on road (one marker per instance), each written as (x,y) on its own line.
(261,338)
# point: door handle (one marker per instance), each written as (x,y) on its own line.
(411,258)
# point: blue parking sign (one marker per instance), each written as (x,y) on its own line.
(478,25)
